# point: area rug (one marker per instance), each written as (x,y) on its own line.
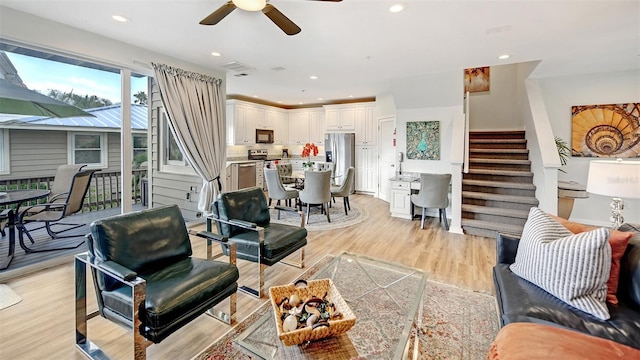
(318,221)
(8,297)
(456,324)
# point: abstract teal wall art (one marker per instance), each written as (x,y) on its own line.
(423,140)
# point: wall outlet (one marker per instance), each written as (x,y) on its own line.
(194,189)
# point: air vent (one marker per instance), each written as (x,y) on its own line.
(278,68)
(237,66)
(241,75)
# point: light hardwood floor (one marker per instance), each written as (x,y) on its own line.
(42,325)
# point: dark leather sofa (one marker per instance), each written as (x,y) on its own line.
(522,301)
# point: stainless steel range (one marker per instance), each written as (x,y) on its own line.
(257,154)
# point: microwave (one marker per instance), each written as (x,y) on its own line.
(264,136)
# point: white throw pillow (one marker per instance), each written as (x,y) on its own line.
(574,268)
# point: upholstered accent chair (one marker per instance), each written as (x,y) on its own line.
(277,190)
(434,193)
(344,190)
(147,281)
(285,171)
(317,191)
(243,217)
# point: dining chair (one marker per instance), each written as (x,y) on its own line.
(433,193)
(344,190)
(285,171)
(277,190)
(317,191)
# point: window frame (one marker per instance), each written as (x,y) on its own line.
(104,149)
(166,165)
(5,155)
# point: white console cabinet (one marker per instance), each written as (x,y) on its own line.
(400,204)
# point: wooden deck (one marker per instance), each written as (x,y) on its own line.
(24,263)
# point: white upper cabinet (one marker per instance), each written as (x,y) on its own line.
(240,127)
(344,118)
(298,127)
(316,126)
(366,126)
(280,122)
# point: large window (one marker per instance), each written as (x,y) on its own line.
(4,152)
(139,150)
(88,148)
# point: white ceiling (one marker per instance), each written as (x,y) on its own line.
(357,47)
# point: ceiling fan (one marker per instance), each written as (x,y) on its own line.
(278,18)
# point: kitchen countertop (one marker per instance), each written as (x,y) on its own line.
(408,178)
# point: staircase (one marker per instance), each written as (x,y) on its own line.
(498,190)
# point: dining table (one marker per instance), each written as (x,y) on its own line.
(16,198)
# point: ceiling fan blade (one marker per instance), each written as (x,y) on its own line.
(219,14)
(283,22)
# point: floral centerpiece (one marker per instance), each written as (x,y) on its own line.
(307,150)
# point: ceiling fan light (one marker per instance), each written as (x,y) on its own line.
(250,5)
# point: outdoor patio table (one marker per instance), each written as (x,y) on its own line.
(16,197)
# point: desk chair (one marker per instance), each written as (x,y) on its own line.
(434,193)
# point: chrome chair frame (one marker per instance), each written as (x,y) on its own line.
(138,287)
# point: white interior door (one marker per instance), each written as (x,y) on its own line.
(386,156)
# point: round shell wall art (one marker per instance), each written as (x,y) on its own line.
(608,131)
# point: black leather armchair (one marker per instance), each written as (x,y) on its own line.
(243,217)
(146,279)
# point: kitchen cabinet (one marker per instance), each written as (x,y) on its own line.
(400,204)
(340,118)
(298,127)
(241,128)
(280,123)
(257,117)
(316,127)
(367,169)
(366,126)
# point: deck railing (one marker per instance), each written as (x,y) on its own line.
(104,192)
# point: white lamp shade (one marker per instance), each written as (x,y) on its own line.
(615,178)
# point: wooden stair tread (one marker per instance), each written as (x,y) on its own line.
(498,151)
(501,172)
(497,141)
(499,197)
(495,211)
(501,228)
(503,184)
(499,161)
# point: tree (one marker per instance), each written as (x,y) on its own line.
(83,102)
(141,98)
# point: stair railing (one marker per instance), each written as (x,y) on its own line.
(465,167)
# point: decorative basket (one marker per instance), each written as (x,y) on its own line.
(315,288)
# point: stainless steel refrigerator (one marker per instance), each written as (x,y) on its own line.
(340,148)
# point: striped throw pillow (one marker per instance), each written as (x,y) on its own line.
(573,268)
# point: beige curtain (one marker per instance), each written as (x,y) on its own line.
(196,111)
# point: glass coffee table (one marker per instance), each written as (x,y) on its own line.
(386,298)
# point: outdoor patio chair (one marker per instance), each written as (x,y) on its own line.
(146,279)
(243,217)
(52,213)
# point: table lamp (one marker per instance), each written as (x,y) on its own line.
(616,178)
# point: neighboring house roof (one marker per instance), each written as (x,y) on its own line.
(106,117)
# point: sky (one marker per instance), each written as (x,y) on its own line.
(42,75)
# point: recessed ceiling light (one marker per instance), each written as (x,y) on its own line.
(320,99)
(350,96)
(504,56)
(396,8)
(120,18)
(215,53)
(255,96)
(313,77)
